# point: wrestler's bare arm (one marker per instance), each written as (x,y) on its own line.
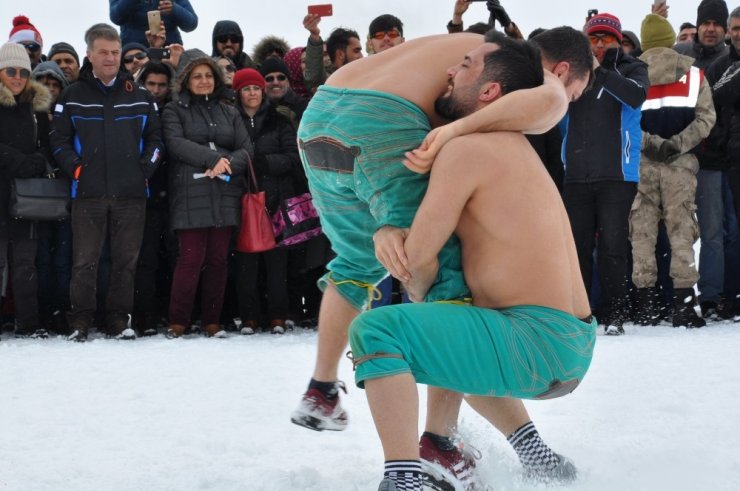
(451,184)
(533,111)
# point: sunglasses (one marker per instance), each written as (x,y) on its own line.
(279,78)
(32,47)
(604,38)
(229,37)
(139,56)
(229,68)
(393,34)
(12,72)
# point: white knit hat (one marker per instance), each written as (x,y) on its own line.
(14,55)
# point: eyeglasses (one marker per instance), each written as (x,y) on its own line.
(229,37)
(32,47)
(12,72)
(279,78)
(604,38)
(229,68)
(139,56)
(393,34)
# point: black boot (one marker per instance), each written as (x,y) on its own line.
(647,313)
(683,309)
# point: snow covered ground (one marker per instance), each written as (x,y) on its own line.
(659,410)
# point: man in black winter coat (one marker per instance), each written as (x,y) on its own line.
(706,47)
(601,150)
(106,137)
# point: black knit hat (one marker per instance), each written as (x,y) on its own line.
(272,65)
(63,48)
(715,10)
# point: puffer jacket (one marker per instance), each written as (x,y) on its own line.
(679,105)
(276,160)
(24,148)
(198,131)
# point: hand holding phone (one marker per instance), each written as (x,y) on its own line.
(154,17)
(322,10)
(591,13)
(660,7)
(158,53)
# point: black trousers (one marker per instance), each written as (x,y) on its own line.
(603,208)
(156,262)
(275,277)
(92,220)
(21,254)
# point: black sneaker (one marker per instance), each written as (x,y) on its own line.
(120,328)
(726,310)
(709,310)
(78,335)
(31,333)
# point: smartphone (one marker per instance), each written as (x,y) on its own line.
(658,2)
(592,12)
(155,19)
(322,10)
(159,53)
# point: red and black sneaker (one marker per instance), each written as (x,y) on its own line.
(450,470)
(316,412)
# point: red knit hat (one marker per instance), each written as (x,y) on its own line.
(247,76)
(23,30)
(604,23)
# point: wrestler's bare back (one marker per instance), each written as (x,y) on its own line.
(517,244)
(415,70)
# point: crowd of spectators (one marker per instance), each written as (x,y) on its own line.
(155,137)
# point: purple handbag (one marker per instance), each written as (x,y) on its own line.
(295,221)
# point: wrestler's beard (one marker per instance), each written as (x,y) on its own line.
(456,105)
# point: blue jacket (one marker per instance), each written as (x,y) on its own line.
(131,16)
(601,132)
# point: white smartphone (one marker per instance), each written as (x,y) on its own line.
(155,19)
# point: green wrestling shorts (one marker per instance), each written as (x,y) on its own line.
(526,352)
(352,144)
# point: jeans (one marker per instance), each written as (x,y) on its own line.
(709,213)
(54,266)
(94,219)
(603,208)
(731,287)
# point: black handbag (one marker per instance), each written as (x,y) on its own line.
(40,198)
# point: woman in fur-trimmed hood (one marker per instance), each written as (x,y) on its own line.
(208,148)
(24,152)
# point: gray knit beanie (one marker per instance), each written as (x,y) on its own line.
(14,55)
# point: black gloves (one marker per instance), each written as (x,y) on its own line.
(498,13)
(666,152)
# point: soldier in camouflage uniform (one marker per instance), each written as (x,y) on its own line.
(676,116)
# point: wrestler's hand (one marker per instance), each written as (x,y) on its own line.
(389,251)
(420,160)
